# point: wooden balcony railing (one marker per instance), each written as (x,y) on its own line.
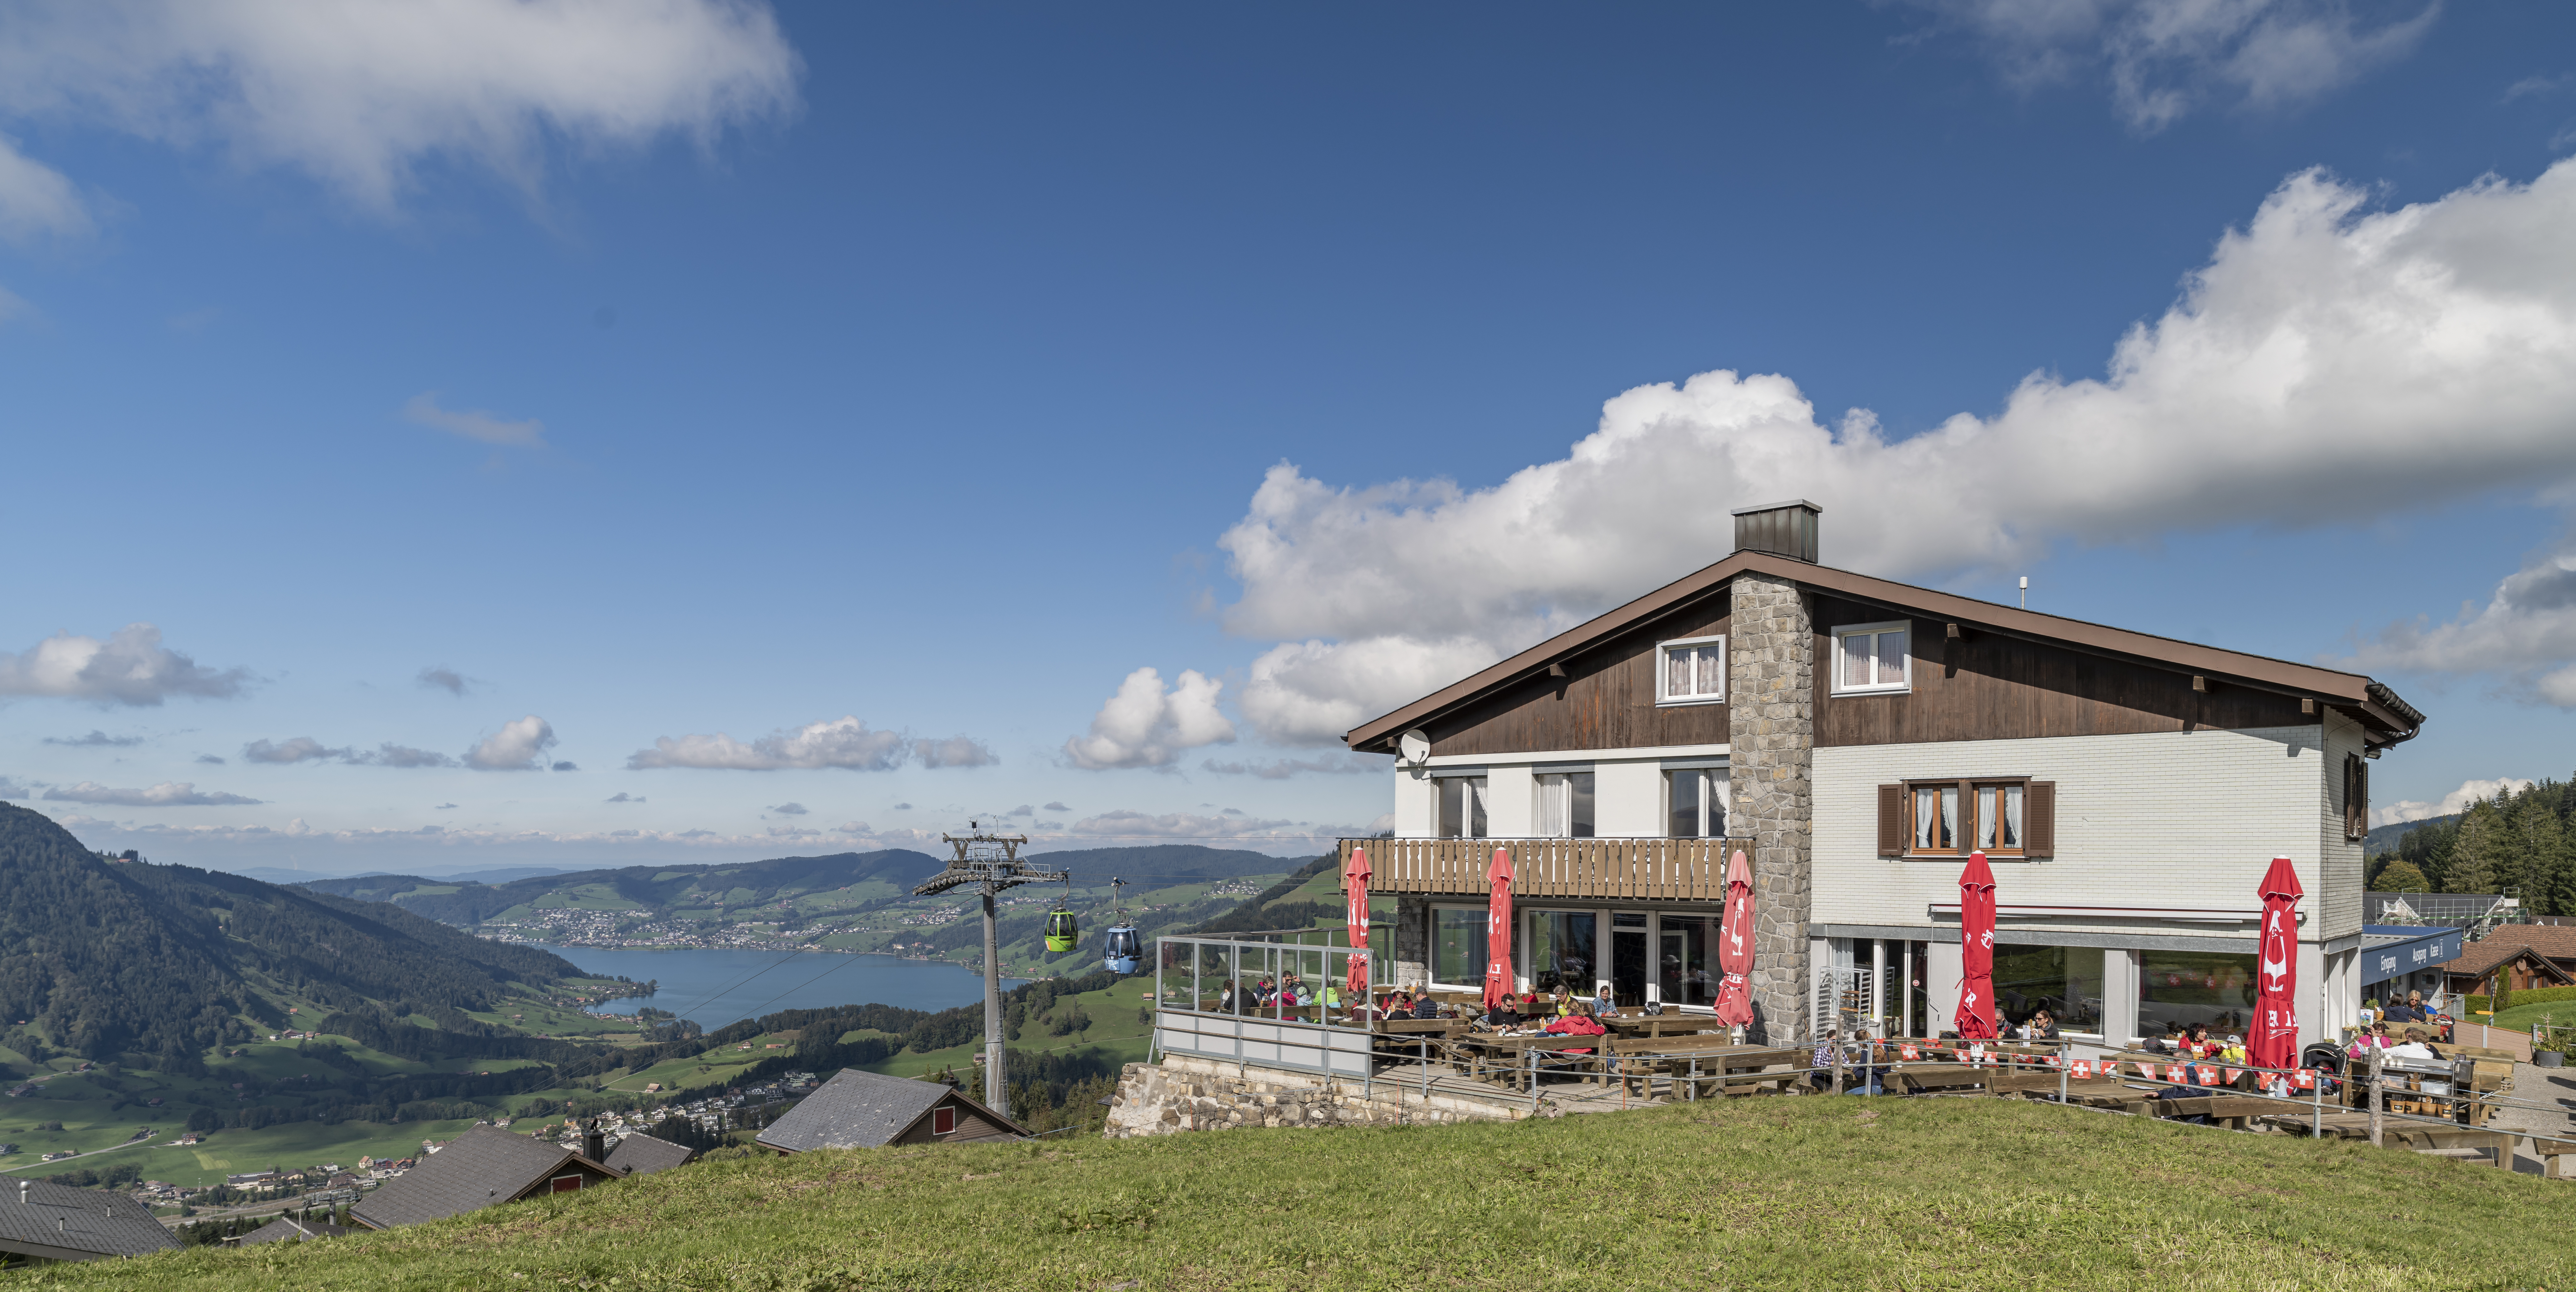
(1607,869)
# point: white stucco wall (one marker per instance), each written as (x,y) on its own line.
(2167,820)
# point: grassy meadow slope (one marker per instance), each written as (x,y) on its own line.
(1756,1193)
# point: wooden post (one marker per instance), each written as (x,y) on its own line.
(2376,1054)
(1837,1044)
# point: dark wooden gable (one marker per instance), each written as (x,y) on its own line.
(1606,700)
(1988,686)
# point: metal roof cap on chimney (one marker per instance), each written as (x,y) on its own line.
(1779,528)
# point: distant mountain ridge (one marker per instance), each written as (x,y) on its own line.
(161,963)
(741,885)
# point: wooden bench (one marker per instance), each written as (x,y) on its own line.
(1703,1060)
(2550,1151)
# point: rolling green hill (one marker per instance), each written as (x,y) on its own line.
(1752,1193)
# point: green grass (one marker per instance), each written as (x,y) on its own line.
(1789,1193)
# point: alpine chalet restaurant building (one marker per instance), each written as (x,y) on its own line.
(1857,739)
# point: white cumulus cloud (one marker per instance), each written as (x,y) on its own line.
(35,199)
(518,746)
(165,794)
(2329,363)
(129,666)
(2456,801)
(1146,725)
(2164,59)
(2525,634)
(358,95)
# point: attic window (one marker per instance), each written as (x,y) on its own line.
(943,1121)
(564,1184)
(1691,670)
(1872,657)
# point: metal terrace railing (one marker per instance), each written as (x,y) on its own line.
(1654,870)
(1329,1035)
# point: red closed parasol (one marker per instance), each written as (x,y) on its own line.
(2274,1042)
(1355,878)
(1735,946)
(1498,932)
(1976,1015)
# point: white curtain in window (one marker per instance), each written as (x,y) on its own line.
(1856,659)
(1891,658)
(1551,807)
(1985,816)
(2012,816)
(1677,672)
(1711,659)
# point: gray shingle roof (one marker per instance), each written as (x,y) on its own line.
(643,1155)
(480,1167)
(853,1110)
(92,1221)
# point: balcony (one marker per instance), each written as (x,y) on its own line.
(1654,870)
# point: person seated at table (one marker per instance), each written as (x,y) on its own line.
(2196,1042)
(1426,1005)
(1823,1059)
(2233,1050)
(1293,991)
(1225,1000)
(1398,1004)
(1578,1023)
(2370,1038)
(2399,1011)
(1603,1005)
(2415,1046)
(2038,1027)
(1505,1012)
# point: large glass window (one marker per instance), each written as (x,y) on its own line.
(2065,981)
(2180,988)
(1687,963)
(1561,950)
(1462,807)
(1695,801)
(1565,805)
(1458,946)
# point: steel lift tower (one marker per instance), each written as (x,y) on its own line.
(992,863)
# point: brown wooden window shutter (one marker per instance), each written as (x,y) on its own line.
(1891,820)
(2039,828)
(2356,797)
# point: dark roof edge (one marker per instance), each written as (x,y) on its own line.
(2369,699)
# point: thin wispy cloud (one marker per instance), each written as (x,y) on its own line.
(846,743)
(474,424)
(165,794)
(96,739)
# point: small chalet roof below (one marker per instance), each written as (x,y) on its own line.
(62,1223)
(2500,947)
(2387,717)
(861,1110)
(480,1167)
(643,1155)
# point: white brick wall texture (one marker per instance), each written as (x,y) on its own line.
(2172,820)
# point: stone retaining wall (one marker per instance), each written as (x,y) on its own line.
(1185,1094)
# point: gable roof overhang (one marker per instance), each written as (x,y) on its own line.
(2387,719)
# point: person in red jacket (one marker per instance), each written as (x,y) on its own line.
(1578,1023)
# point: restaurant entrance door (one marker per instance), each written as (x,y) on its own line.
(1629,966)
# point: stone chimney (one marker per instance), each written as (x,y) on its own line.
(1771,732)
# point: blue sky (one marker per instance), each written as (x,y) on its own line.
(834,408)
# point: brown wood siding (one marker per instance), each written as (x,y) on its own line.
(972,1124)
(1605,701)
(1992,687)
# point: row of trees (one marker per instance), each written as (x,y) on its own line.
(2522,841)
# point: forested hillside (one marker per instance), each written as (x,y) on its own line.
(158,964)
(2524,842)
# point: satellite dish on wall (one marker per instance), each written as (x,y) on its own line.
(1416,746)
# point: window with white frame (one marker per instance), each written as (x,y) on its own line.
(1695,803)
(1462,807)
(1691,670)
(1564,805)
(1872,657)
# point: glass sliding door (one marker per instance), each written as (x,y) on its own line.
(1628,964)
(1686,968)
(1562,951)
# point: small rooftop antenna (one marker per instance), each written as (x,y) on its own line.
(2025,592)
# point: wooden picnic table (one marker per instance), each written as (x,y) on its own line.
(1665,1024)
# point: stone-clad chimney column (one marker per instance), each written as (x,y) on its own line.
(1771,721)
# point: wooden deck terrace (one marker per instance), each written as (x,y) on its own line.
(1637,870)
